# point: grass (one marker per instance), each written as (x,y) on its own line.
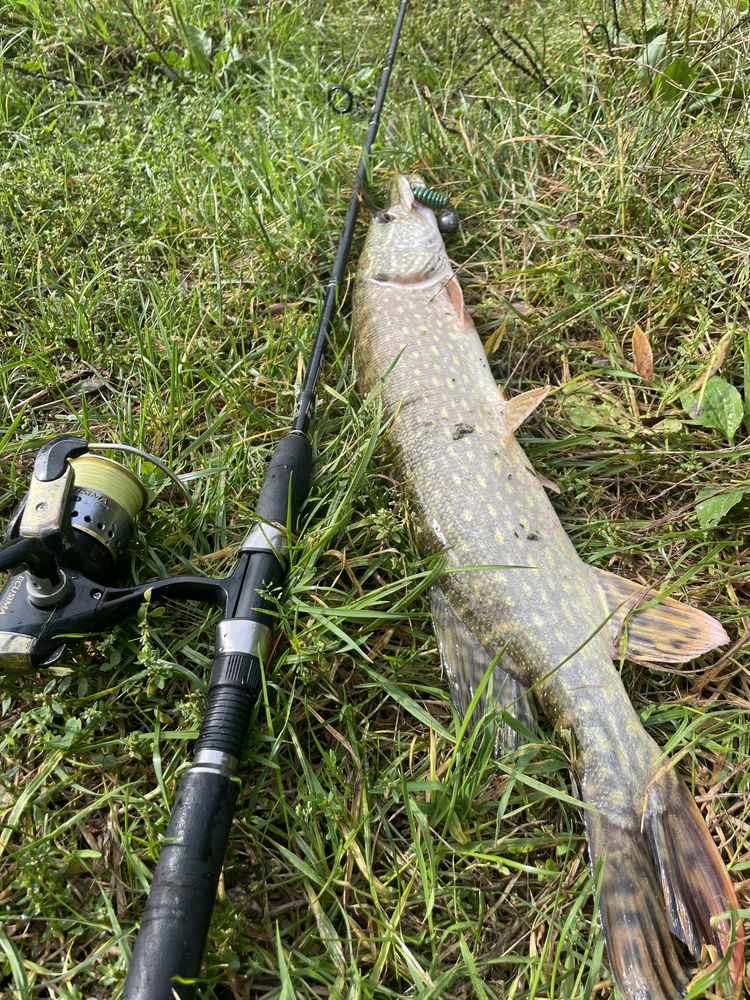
(173,185)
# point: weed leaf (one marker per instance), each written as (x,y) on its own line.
(675,79)
(201,45)
(584,412)
(719,406)
(716,362)
(716,506)
(653,53)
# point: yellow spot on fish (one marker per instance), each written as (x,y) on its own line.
(499,536)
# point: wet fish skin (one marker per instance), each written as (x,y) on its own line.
(477,500)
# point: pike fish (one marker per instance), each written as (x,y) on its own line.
(554,622)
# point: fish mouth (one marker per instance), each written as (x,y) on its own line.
(401,198)
(400,194)
(413,228)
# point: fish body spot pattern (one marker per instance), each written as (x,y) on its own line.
(476,501)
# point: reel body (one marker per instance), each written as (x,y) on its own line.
(66,542)
(65,546)
(76,521)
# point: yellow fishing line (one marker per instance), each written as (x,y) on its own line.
(102,475)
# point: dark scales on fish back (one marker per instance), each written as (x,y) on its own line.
(552,618)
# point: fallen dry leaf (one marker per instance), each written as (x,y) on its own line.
(642,354)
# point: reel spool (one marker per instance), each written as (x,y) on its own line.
(105,499)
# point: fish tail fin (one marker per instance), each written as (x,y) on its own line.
(661,878)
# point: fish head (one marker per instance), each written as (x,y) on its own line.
(404,245)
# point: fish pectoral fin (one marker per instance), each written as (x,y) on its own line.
(466,662)
(456,296)
(519,408)
(668,632)
(547,483)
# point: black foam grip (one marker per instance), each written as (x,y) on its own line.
(175,922)
(287,480)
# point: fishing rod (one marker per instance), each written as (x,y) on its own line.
(64,546)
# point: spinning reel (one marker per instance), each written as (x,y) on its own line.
(65,545)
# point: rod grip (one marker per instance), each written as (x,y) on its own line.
(175,922)
(287,480)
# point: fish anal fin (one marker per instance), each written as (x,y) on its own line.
(519,408)
(466,661)
(668,632)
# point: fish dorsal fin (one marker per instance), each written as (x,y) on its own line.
(520,407)
(466,661)
(668,632)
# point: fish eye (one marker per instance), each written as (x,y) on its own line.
(383,217)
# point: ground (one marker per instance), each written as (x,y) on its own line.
(173,186)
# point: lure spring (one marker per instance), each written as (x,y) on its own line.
(430,197)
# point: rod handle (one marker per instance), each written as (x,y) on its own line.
(287,480)
(175,922)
